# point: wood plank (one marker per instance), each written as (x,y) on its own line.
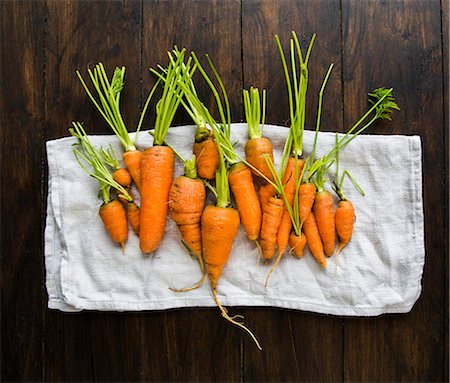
(177,341)
(22,151)
(398,44)
(445,54)
(298,346)
(91,346)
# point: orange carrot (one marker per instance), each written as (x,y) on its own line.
(306,196)
(132,160)
(122,177)
(156,179)
(289,180)
(133,215)
(344,219)
(297,243)
(113,216)
(205,150)
(219,228)
(241,183)
(265,192)
(324,214)
(272,215)
(313,239)
(255,149)
(186,202)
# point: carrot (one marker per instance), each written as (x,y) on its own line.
(257,145)
(345,219)
(133,215)
(205,149)
(272,215)
(265,192)
(255,148)
(123,177)
(324,214)
(220,222)
(156,177)
(114,218)
(297,243)
(132,160)
(291,174)
(306,196)
(186,201)
(111,212)
(157,163)
(109,92)
(313,239)
(241,183)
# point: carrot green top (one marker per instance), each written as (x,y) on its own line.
(108,103)
(252,105)
(91,156)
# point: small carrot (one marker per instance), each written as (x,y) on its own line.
(123,177)
(133,215)
(265,192)
(297,243)
(291,174)
(257,145)
(306,196)
(157,163)
(114,218)
(313,239)
(111,212)
(241,183)
(108,104)
(345,219)
(272,216)
(205,150)
(324,214)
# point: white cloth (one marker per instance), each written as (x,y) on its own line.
(380,271)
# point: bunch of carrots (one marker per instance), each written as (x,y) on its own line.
(279,208)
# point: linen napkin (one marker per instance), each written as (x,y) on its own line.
(378,272)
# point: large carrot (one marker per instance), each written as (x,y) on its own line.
(108,104)
(158,162)
(111,212)
(186,202)
(257,145)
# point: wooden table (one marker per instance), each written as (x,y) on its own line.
(403,44)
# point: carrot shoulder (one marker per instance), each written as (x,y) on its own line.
(156,178)
(241,183)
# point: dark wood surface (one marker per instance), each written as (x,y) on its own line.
(372,43)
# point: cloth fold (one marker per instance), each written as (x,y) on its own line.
(378,272)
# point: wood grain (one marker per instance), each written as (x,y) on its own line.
(22,282)
(400,47)
(292,349)
(205,27)
(91,346)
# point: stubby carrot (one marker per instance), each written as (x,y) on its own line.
(114,218)
(297,243)
(205,150)
(272,215)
